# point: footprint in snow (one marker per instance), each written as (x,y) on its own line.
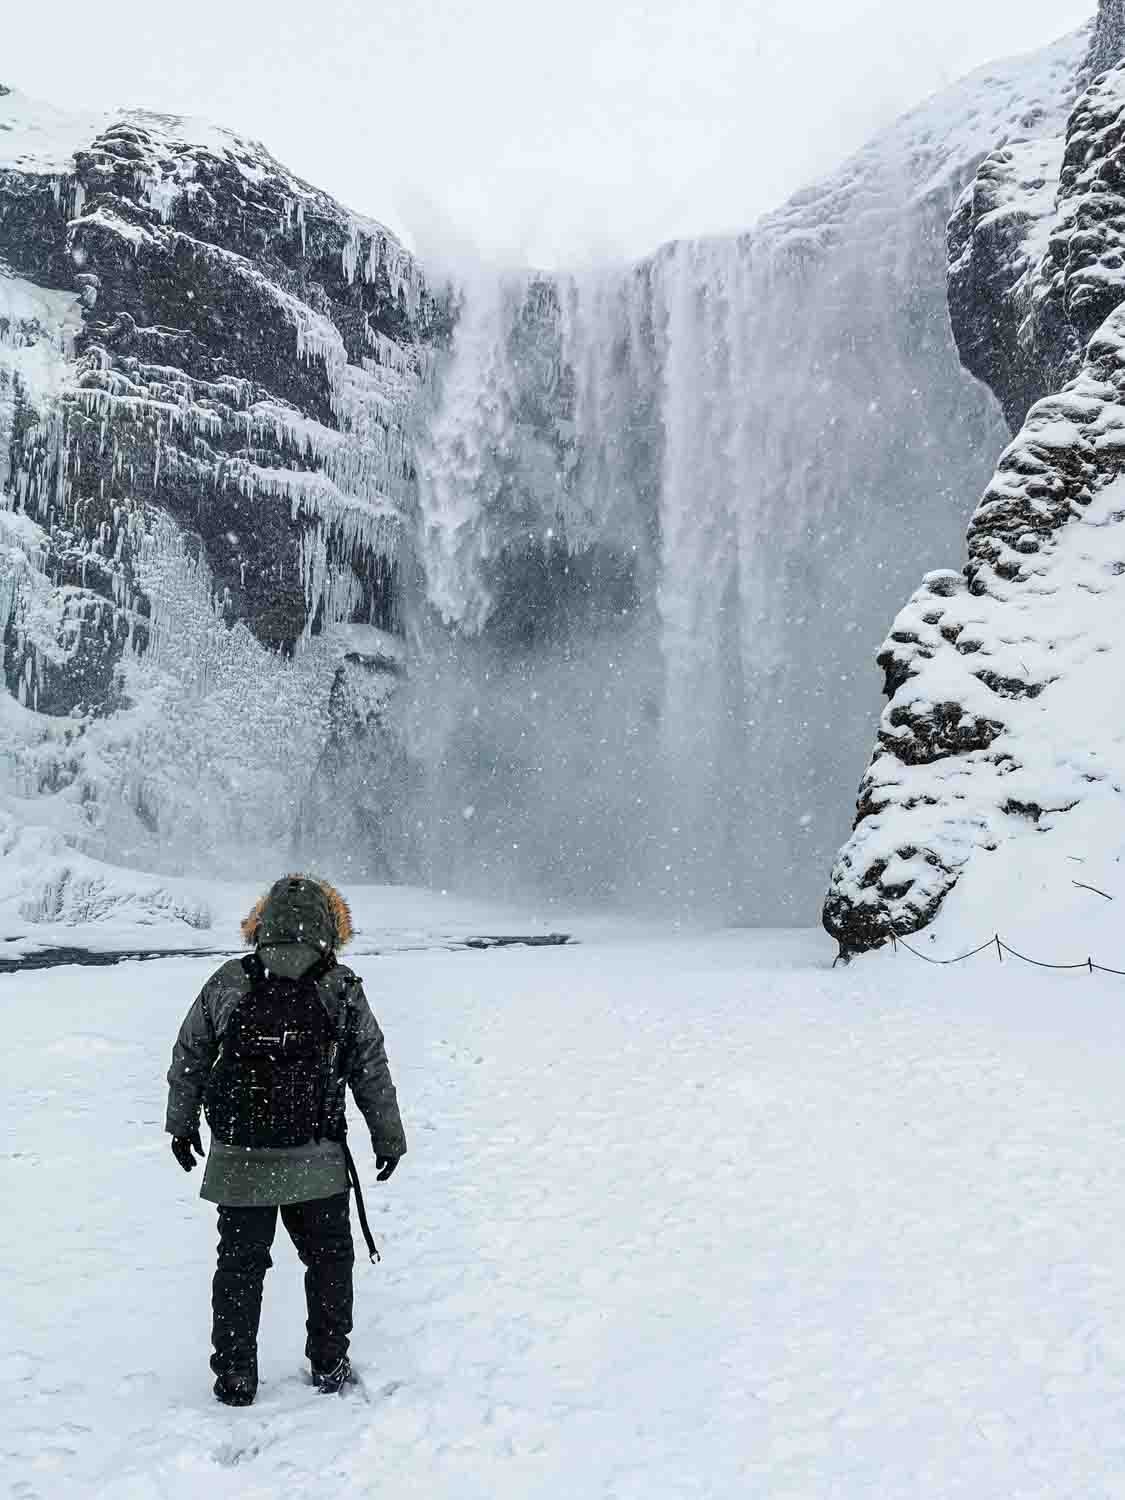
(231,1453)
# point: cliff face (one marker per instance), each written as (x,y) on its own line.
(1004,714)
(1035,247)
(207,370)
(1108,41)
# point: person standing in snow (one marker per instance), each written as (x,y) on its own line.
(268,1050)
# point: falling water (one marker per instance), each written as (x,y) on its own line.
(666,512)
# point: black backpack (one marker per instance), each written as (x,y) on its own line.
(271,1082)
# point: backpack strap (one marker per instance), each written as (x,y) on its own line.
(254,970)
(349,1159)
(361,1208)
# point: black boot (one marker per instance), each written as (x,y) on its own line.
(333,1379)
(236,1387)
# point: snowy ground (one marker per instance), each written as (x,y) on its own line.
(684,1215)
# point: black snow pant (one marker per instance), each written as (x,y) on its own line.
(321,1231)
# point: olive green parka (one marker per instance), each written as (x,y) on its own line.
(303,919)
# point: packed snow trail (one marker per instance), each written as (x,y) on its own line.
(682,1216)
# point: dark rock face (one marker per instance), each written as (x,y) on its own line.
(243,343)
(1108,43)
(1036,242)
(998,678)
(208,371)
(995,238)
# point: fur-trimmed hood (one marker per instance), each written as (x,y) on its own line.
(299,908)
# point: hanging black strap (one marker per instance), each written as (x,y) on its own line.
(353,1177)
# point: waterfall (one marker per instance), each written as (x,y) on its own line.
(666,511)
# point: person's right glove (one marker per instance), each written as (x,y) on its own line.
(182,1148)
(385,1165)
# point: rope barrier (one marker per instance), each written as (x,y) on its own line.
(925,957)
(997,942)
(1040,964)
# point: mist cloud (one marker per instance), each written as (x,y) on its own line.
(535,133)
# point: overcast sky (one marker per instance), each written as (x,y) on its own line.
(532,132)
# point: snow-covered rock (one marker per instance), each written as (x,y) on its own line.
(1107,45)
(1036,249)
(47,888)
(1005,712)
(246,347)
(207,375)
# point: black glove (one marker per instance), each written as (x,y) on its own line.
(386,1165)
(182,1146)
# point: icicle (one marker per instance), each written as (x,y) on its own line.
(350,255)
